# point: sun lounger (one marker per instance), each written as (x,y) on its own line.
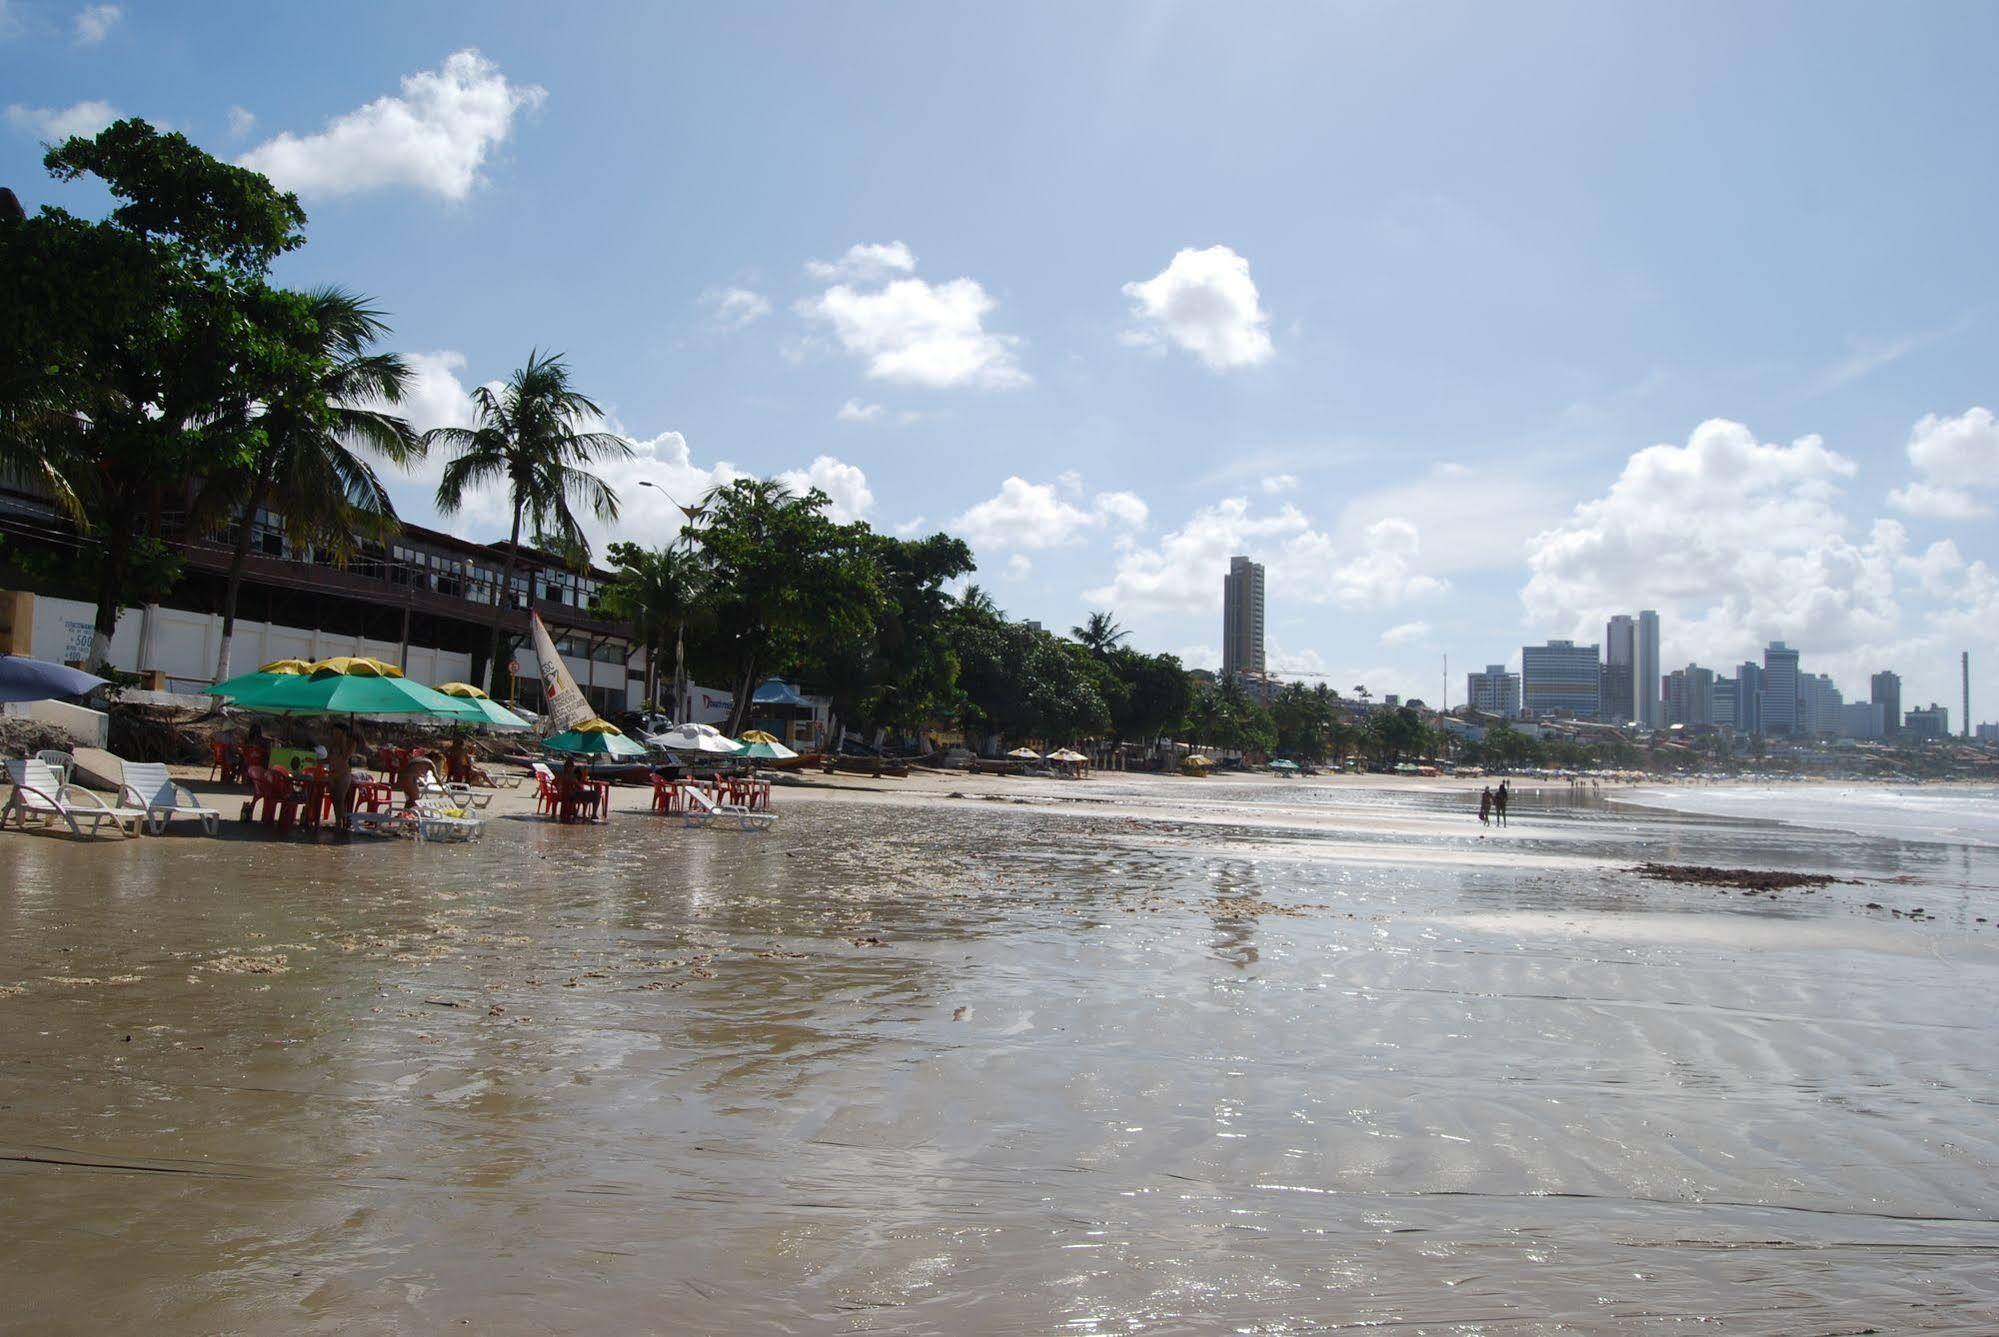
(454,794)
(148,787)
(703,810)
(39,794)
(389,820)
(437,820)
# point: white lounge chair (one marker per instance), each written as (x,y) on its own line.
(148,787)
(453,794)
(438,820)
(62,763)
(39,794)
(702,810)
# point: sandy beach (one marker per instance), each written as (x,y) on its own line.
(964,1054)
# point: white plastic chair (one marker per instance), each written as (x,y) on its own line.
(148,787)
(39,794)
(702,810)
(62,763)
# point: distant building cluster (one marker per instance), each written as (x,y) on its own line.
(1619,682)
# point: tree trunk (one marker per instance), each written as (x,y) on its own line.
(739,708)
(236,561)
(502,604)
(110,585)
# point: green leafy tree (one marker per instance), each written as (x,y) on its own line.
(1154,697)
(1395,734)
(529,438)
(659,591)
(304,437)
(120,336)
(900,669)
(779,575)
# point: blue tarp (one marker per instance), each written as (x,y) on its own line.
(777,692)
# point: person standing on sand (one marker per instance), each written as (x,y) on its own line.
(1499,803)
(1485,807)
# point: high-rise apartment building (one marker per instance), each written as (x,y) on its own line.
(1646,707)
(1620,684)
(1690,696)
(1820,706)
(1495,691)
(1242,618)
(1930,722)
(1748,698)
(1885,691)
(1724,702)
(1561,677)
(1780,689)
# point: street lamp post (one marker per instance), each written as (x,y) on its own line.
(679,631)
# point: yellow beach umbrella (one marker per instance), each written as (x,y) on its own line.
(598,726)
(465,689)
(293,667)
(758,736)
(357,666)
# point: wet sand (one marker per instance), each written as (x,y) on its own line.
(1128,1054)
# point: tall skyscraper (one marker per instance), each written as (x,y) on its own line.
(1780,689)
(1724,701)
(1821,706)
(1690,696)
(1620,683)
(1242,618)
(1495,691)
(1748,698)
(1885,691)
(1561,676)
(1646,707)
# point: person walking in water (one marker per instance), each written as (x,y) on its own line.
(1499,803)
(1485,807)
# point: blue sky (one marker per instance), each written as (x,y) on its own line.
(1474,324)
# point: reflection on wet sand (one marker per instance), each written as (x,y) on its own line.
(910,1067)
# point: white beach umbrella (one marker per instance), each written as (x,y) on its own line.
(1025,754)
(696,738)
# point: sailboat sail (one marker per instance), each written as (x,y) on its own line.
(565,704)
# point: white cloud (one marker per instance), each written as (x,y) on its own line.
(864,263)
(1183,570)
(435,137)
(241,121)
(844,483)
(1276,483)
(919,333)
(1470,520)
(1019,566)
(855,411)
(732,309)
(1953,457)
(911,527)
(1735,542)
(95,23)
(1405,632)
(1034,515)
(56,124)
(1206,303)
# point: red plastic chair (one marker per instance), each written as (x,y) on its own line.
(548,795)
(666,795)
(225,761)
(280,796)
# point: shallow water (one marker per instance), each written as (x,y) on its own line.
(1141,1055)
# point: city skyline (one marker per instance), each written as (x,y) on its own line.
(1184,347)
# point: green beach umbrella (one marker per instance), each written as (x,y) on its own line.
(274,672)
(329,691)
(756,749)
(597,737)
(494,715)
(1283,764)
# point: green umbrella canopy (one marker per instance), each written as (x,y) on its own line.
(330,692)
(277,671)
(492,714)
(758,750)
(600,744)
(1283,764)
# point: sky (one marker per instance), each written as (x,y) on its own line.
(1475,324)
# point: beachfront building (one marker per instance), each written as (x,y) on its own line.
(1560,678)
(1690,696)
(1494,692)
(1926,723)
(1724,702)
(1646,706)
(1748,698)
(1242,619)
(424,601)
(1885,691)
(1819,706)
(1780,689)
(1862,720)
(1620,681)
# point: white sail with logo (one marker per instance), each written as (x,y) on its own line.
(563,701)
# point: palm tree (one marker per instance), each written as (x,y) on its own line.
(304,462)
(656,590)
(976,604)
(1100,634)
(527,438)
